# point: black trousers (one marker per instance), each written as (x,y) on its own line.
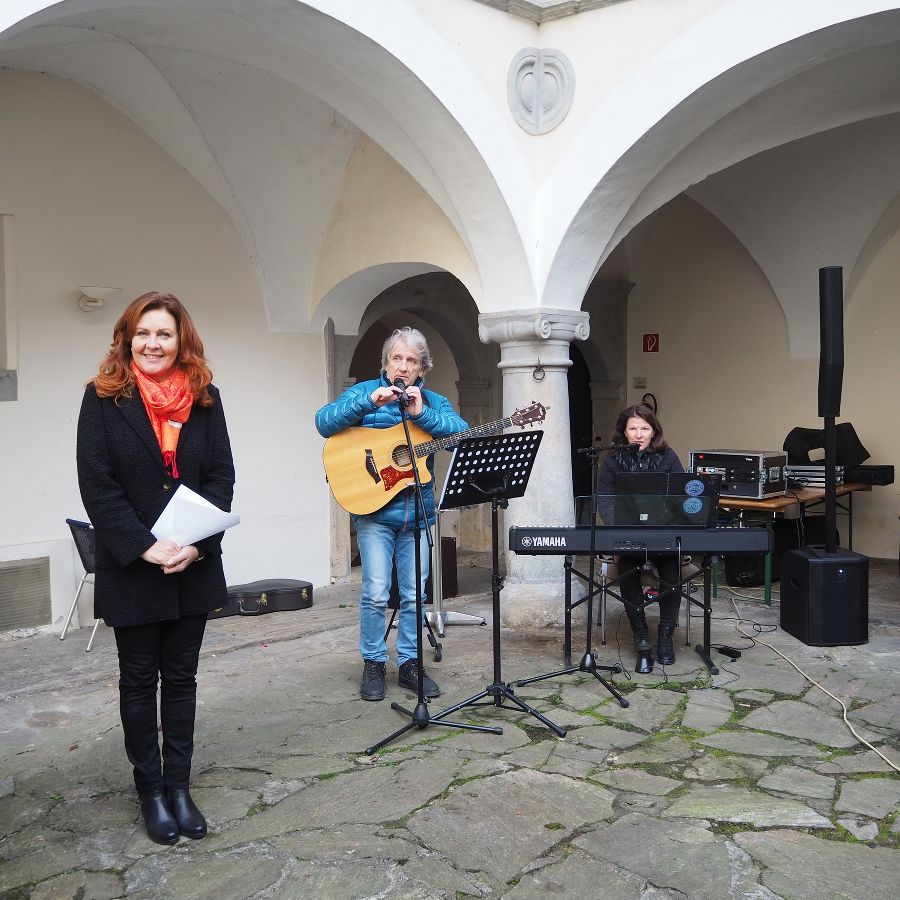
(166,653)
(669,571)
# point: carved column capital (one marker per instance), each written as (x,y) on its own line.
(534,325)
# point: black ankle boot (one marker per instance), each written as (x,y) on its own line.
(644,662)
(158,819)
(665,647)
(191,822)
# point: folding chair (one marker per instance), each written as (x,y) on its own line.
(83,535)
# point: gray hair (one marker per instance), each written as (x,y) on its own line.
(414,339)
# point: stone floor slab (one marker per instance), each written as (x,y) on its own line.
(381,793)
(848,764)
(861,829)
(679,857)
(793,718)
(755,672)
(93,885)
(607,737)
(499,825)
(198,876)
(760,745)
(804,867)
(873,797)
(802,782)
(884,714)
(669,750)
(726,803)
(707,710)
(580,875)
(647,710)
(638,781)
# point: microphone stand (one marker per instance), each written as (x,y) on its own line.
(419,717)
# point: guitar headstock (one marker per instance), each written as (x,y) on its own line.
(536,412)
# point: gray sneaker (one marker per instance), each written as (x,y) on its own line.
(408,677)
(374,677)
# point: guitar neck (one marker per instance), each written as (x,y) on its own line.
(445,443)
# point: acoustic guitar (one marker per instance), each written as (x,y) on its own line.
(368,467)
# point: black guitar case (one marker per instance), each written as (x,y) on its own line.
(261,597)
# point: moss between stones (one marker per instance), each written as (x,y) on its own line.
(256,808)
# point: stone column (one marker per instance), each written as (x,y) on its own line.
(534,359)
(338,354)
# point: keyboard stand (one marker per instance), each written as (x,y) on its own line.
(702,650)
(588,662)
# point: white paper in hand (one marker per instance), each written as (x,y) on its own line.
(189,518)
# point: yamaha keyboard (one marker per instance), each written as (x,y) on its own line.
(572,540)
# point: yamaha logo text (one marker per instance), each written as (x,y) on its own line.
(551,541)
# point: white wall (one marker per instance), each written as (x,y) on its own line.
(96,201)
(723,377)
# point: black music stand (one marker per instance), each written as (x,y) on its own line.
(588,662)
(420,717)
(493,468)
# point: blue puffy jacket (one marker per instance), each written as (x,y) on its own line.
(354,407)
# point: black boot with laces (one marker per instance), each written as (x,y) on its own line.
(665,646)
(408,677)
(372,686)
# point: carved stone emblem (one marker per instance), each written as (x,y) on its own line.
(539,88)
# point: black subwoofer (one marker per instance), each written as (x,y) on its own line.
(825,596)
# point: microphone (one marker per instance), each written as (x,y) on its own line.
(403,397)
(634,446)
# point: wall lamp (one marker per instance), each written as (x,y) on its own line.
(93,296)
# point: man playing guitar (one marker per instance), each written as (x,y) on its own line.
(386,534)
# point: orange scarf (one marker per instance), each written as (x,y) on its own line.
(168,404)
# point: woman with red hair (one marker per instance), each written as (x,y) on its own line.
(151,420)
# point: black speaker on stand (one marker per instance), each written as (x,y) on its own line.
(825,589)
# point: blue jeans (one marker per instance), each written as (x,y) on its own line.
(379,545)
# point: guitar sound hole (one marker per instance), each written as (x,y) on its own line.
(400,457)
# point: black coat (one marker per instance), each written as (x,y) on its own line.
(125,486)
(621,459)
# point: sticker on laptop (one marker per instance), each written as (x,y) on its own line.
(692,506)
(694,488)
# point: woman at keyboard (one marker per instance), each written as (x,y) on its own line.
(639,446)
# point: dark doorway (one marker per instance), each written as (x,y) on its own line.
(581,431)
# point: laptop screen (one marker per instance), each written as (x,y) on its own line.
(674,499)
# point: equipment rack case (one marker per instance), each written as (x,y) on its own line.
(755,474)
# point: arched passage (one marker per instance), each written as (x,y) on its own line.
(439,305)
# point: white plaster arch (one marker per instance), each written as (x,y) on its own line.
(382,68)
(695,108)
